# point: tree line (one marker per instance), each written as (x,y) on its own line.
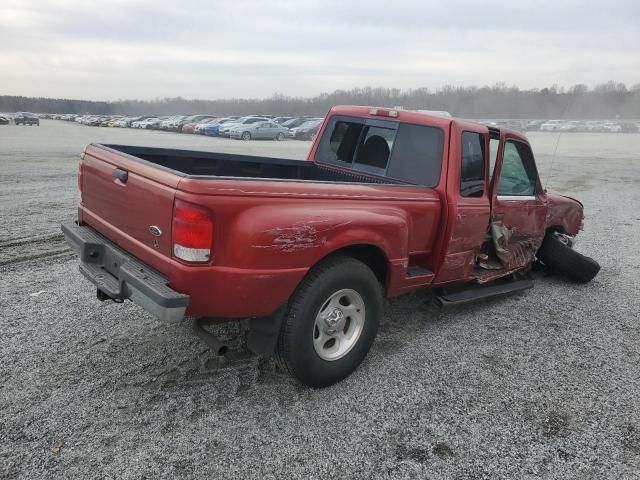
(604,101)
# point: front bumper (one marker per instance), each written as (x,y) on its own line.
(121,276)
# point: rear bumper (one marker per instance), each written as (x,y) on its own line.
(121,276)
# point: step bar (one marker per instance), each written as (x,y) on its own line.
(475,292)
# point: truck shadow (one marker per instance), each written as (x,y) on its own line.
(241,373)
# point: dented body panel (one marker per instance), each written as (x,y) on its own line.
(269,232)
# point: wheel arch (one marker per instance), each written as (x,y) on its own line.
(555,228)
(371,255)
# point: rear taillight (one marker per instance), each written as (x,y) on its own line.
(192,232)
(79,177)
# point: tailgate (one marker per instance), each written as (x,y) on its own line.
(124,198)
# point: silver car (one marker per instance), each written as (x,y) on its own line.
(224,129)
(259,130)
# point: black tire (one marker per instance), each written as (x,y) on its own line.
(561,258)
(295,351)
(246,136)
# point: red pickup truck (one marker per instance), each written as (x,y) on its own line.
(387,202)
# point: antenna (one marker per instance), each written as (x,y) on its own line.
(555,150)
(553,159)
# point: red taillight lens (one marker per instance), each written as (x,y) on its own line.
(192,232)
(79,178)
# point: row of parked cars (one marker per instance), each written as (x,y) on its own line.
(604,126)
(302,128)
(250,127)
(20,118)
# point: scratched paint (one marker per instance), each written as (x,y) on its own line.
(299,236)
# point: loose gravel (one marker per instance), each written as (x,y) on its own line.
(541,384)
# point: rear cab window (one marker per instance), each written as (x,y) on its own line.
(406,152)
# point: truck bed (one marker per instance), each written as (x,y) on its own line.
(191,163)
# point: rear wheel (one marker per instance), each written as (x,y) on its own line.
(557,254)
(246,136)
(331,322)
(280,136)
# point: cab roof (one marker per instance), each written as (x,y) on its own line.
(419,118)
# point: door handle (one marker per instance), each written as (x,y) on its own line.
(121,175)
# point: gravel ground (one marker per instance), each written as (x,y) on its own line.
(542,384)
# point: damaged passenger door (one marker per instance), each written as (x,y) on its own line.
(518,205)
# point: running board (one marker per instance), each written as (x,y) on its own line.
(479,292)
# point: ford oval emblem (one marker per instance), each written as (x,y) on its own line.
(155,231)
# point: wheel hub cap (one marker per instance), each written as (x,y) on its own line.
(334,321)
(338,324)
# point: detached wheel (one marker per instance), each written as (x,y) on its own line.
(557,254)
(246,136)
(331,322)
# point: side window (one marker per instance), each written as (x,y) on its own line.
(494,143)
(518,174)
(472,168)
(417,156)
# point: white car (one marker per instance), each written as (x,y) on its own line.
(226,127)
(612,127)
(551,126)
(572,126)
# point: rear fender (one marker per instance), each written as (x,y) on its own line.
(272,237)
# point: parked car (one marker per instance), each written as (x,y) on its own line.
(171,123)
(308,249)
(148,123)
(533,125)
(307,130)
(281,120)
(612,127)
(550,125)
(224,129)
(198,129)
(259,131)
(571,126)
(26,118)
(4,120)
(295,122)
(123,122)
(213,128)
(629,127)
(190,127)
(190,119)
(131,120)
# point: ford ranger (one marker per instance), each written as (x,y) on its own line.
(387,202)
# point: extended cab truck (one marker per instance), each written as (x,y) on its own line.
(387,202)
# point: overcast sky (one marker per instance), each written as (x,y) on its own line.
(113,49)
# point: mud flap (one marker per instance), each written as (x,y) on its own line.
(264,331)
